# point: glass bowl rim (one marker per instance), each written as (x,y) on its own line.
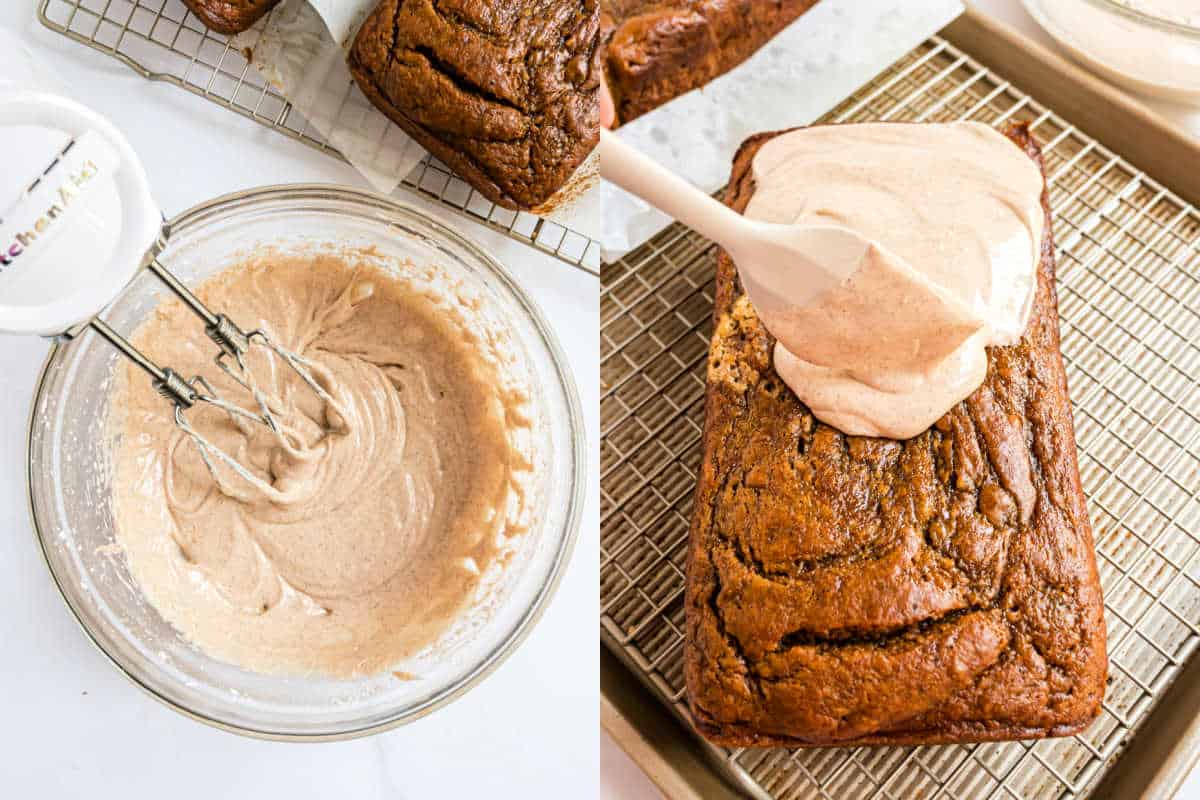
(1143,17)
(527,620)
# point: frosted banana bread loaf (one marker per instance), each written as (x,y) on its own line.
(845,590)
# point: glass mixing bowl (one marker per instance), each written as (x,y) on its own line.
(69,480)
(1128,43)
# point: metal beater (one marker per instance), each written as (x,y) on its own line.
(233,343)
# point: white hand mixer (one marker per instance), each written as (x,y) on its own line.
(78,228)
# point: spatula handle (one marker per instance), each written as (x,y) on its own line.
(666,191)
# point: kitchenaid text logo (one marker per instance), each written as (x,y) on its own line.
(64,204)
(64,195)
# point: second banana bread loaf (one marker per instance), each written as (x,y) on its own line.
(506,94)
(230,16)
(659,49)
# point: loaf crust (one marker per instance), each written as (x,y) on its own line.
(845,590)
(660,49)
(506,94)
(229,16)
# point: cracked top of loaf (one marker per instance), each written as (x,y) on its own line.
(846,590)
(505,94)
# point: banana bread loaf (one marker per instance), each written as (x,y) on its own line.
(659,49)
(850,591)
(506,94)
(229,16)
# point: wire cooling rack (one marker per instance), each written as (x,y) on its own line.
(1129,300)
(163,41)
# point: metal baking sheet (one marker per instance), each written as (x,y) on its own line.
(1129,300)
(163,41)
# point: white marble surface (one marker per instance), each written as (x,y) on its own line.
(620,777)
(73,727)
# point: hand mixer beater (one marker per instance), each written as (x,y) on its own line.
(233,344)
(93,199)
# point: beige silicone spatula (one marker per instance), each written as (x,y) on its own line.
(780,266)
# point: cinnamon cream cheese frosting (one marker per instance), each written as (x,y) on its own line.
(952,217)
(374,519)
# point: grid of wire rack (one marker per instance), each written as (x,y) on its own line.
(163,41)
(1129,299)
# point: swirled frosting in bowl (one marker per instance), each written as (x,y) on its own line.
(371,523)
(952,219)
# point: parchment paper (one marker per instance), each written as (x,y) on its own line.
(302,49)
(807,69)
